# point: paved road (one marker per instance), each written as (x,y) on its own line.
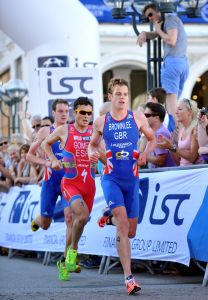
(27,279)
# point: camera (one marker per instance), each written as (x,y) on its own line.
(203,111)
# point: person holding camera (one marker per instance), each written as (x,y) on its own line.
(202,134)
(175,66)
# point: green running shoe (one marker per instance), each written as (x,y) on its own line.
(71,258)
(63,272)
(34,226)
(78,269)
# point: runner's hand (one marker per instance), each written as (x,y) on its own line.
(56,164)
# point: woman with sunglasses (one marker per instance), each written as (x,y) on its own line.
(175,67)
(185,151)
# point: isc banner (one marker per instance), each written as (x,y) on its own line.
(170,215)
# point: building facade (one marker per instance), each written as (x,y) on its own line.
(121,56)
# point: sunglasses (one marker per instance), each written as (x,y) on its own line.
(150,115)
(3,143)
(84,112)
(46,125)
(36,126)
(150,15)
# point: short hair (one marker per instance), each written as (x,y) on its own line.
(82,101)
(59,101)
(36,118)
(13,147)
(150,5)
(17,138)
(157,109)
(116,81)
(4,139)
(24,147)
(51,119)
(159,93)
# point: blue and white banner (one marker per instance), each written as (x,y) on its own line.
(103,13)
(172,224)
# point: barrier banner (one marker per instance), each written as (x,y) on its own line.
(171,209)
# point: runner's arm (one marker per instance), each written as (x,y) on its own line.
(93,148)
(31,155)
(55,136)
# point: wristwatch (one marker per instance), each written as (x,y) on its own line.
(174,148)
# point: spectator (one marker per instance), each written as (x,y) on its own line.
(17,139)
(158,95)
(47,121)
(175,67)
(13,151)
(4,144)
(5,176)
(186,152)
(30,130)
(202,134)
(155,114)
(26,172)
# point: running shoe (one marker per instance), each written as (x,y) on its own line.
(105,220)
(70,261)
(63,272)
(78,269)
(34,226)
(132,286)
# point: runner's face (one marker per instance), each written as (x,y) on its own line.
(61,114)
(83,116)
(119,97)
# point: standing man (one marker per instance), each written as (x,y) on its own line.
(175,67)
(78,184)
(51,184)
(120,131)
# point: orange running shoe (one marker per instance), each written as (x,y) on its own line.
(132,286)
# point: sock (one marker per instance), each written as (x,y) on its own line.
(129,277)
(109,220)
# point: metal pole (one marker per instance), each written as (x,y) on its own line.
(159,44)
(149,76)
(155,62)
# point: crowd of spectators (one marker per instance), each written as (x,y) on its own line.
(180,143)
(15,170)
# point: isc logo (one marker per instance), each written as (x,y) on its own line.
(177,199)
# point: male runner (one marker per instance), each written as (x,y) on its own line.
(51,184)
(120,130)
(78,184)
